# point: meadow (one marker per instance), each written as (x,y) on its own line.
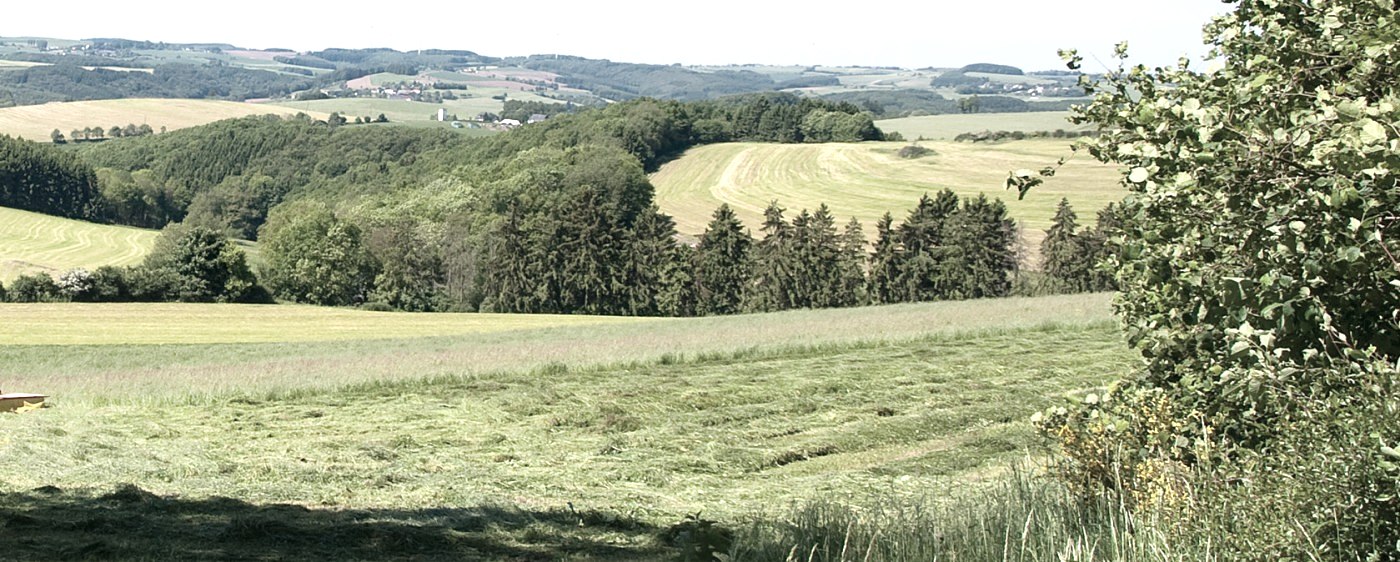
(946,127)
(36,122)
(865,180)
(588,443)
(32,242)
(414,113)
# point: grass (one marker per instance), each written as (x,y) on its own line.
(32,242)
(945,127)
(566,460)
(865,180)
(110,357)
(36,122)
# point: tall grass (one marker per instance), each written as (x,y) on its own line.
(1021,517)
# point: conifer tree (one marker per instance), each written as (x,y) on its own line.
(980,255)
(506,284)
(660,281)
(923,275)
(884,285)
(1062,253)
(820,254)
(722,264)
(773,266)
(851,266)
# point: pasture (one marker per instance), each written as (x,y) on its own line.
(32,242)
(946,127)
(416,450)
(865,180)
(36,122)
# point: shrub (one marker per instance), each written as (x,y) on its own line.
(914,151)
(1258,274)
(34,287)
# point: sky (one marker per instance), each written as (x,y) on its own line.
(938,33)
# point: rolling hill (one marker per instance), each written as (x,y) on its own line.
(865,180)
(31,242)
(36,122)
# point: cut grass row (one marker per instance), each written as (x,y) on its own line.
(32,242)
(37,122)
(866,180)
(148,353)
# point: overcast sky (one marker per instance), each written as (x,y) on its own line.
(1024,33)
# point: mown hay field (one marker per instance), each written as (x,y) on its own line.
(423,449)
(33,242)
(866,180)
(37,122)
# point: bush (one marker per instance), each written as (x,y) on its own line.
(1258,274)
(34,287)
(914,151)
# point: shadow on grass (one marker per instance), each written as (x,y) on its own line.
(132,524)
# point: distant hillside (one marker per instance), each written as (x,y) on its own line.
(886,104)
(622,81)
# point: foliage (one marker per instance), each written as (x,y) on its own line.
(47,180)
(721,263)
(34,287)
(196,264)
(1258,269)
(315,257)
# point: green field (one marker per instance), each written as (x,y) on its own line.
(586,444)
(413,113)
(865,180)
(945,127)
(31,242)
(36,122)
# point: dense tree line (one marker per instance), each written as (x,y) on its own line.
(577,233)
(44,179)
(888,104)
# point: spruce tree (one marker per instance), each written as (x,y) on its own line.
(722,264)
(985,258)
(1062,252)
(820,256)
(773,265)
(660,280)
(886,264)
(850,266)
(924,276)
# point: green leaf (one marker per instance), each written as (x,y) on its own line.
(1138,175)
(1372,132)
